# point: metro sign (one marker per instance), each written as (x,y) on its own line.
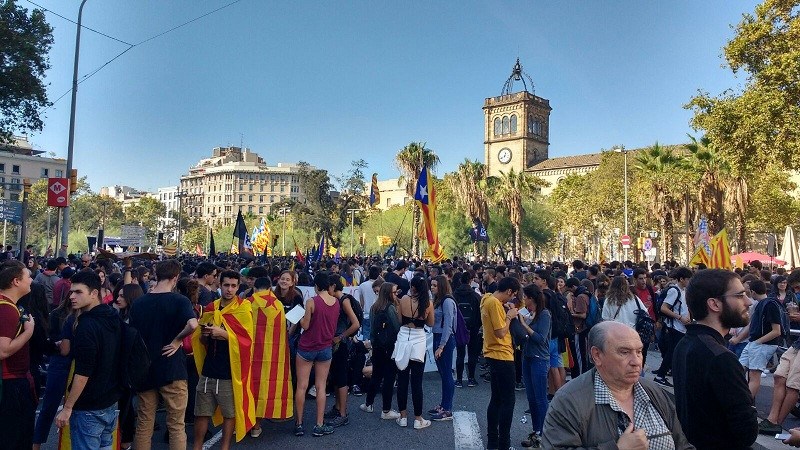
(58,192)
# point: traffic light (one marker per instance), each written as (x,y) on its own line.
(26,185)
(362,238)
(641,242)
(73,181)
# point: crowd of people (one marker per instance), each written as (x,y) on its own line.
(233,342)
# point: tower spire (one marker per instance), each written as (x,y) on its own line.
(517,74)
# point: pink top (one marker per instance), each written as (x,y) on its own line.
(322,328)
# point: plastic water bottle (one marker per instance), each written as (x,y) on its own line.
(523,419)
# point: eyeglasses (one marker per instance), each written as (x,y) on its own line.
(739,295)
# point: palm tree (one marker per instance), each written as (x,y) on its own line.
(468,185)
(713,170)
(409,161)
(658,167)
(737,201)
(508,190)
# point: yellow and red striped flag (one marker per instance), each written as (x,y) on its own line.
(425,196)
(720,251)
(700,257)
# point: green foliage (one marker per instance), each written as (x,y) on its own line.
(25,41)
(772,205)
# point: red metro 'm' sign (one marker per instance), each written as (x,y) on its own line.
(58,192)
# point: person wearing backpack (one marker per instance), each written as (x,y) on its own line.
(444,343)
(675,314)
(768,325)
(383,334)
(557,375)
(346,326)
(163,319)
(536,358)
(95,389)
(469,302)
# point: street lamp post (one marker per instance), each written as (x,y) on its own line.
(621,149)
(71,145)
(180,196)
(352,213)
(283,212)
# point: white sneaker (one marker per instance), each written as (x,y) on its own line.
(390,415)
(365,408)
(313,391)
(420,424)
(402,421)
(255,432)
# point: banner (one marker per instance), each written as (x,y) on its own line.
(425,196)
(384,240)
(374,193)
(720,251)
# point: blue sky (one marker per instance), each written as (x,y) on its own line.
(330,82)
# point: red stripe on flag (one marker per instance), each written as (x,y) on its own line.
(245,363)
(273,367)
(258,355)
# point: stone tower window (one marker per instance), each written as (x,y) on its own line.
(530,123)
(513,124)
(497,128)
(505,124)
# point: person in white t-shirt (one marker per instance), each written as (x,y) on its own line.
(367,297)
(676,317)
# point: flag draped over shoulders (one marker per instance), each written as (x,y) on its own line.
(271,379)
(237,319)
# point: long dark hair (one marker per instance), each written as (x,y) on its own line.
(384,299)
(443,290)
(422,294)
(534,293)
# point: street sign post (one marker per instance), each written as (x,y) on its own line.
(57,192)
(625,240)
(11,211)
(648,244)
(132,236)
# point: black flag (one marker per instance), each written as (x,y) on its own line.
(240,231)
(212,249)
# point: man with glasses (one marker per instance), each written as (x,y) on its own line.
(712,398)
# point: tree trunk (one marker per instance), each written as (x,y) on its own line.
(514,242)
(415,231)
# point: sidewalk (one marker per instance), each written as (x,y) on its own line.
(763,403)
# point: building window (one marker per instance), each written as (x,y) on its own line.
(272,199)
(241,198)
(262,177)
(388,202)
(261,210)
(513,124)
(261,188)
(283,188)
(250,198)
(2,168)
(272,188)
(530,123)
(16,187)
(241,187)
(249,209)
(272,178)
(252,176)
(505,124)
(15,169)
(261,198)
(45,172)
(14,197)
(497,128)
(251,187)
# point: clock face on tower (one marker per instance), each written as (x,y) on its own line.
(504,155)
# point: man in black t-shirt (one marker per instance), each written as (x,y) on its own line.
(765,336)
(397,277)
(164,319)
(206,274)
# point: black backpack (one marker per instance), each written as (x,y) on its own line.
(660,301)
(562,327)
(356,306)
(467,306)
(134,358)
(385,336)
(757,320)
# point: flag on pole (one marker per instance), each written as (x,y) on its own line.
(234,249)
(198,250)
(374,193)
(700,257)
(425,196)
(384,240)
(321,249)
(212,249)
(720,251)
(701,235)
(240,231)
(298,254)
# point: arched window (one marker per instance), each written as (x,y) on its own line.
(530,123)
(497,126)
(513,123)
(505,124)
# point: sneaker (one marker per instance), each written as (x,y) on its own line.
(338,421)
(331,413)
(357,391)
(366,408)
(519,387)
(533,441)
(322,430)
(313,391)
(255,432)
(435,410)
(420,424)
(459,384)
(298,430)
(472,382)
(390,415)
(442,416)
(663,381)
(402,421)
(769,428)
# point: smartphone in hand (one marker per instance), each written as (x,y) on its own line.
(782,437)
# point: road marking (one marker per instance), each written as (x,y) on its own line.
(214,439)
(466,430)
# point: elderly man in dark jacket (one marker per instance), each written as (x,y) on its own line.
(609,406)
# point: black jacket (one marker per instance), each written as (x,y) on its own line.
(96,350)
(714,404)
(465,295)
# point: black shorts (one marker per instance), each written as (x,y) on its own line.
(17,414)
(339,365)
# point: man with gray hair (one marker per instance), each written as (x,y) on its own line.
(610,406)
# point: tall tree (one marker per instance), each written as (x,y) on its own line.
(713,171)
(25,41)
(509,189)
(410,160)
(657,167)
(468,185)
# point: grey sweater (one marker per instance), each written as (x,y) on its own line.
(445,319)
(574,421)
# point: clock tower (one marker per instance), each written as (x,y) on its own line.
(516,127)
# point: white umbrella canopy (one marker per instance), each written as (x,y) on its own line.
(789,252)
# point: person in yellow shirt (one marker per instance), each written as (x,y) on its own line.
(496,316)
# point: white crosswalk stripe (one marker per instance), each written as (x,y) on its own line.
(466,430)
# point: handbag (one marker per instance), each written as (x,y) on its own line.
(645,325)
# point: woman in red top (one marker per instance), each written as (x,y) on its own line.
(314,349)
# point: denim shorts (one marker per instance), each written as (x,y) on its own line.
(755,356)
(555,358)
(316,355)
(93,430)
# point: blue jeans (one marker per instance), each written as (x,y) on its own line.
(445,366)
(534,374)
(365,329)
(57,373)
(93,430)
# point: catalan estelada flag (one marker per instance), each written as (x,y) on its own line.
(237,318)
(425,196)
(700,257)
(271,379)
(298,254)
(374,193)
(720,251)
